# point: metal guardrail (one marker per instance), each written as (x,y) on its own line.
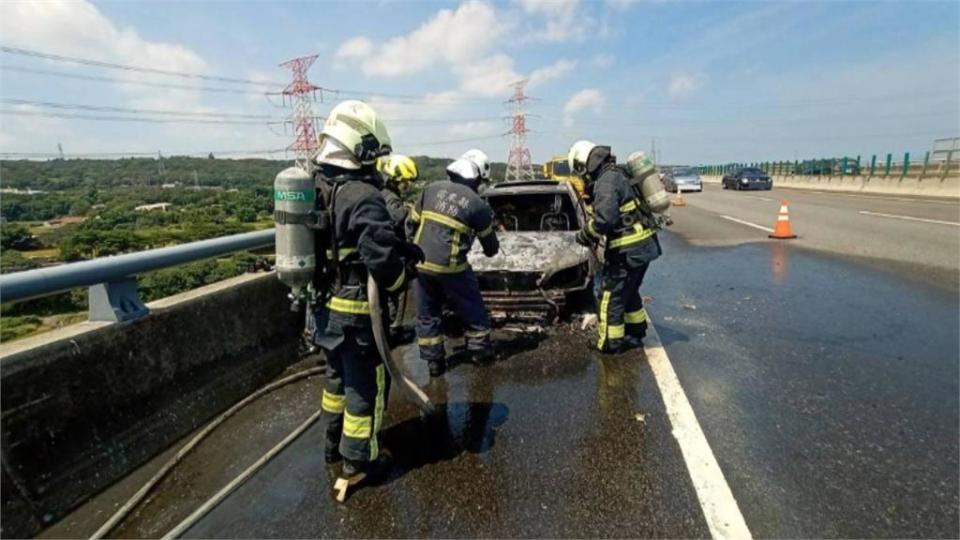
(112,280)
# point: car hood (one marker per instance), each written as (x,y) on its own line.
(687,179)
(530,252)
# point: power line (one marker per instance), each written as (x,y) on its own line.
(453,141)
(106,118)
(97,63)
(56,105)
(139,154)
(126,67)
(121,80)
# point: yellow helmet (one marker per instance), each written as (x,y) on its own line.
(398,168)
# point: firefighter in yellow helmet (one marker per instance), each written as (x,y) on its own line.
(399,172)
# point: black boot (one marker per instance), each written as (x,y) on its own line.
(331,453)
(437,367)
(362,473)
(482,357)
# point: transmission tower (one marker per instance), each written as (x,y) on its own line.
(161,170)
(302,94)
(518,161)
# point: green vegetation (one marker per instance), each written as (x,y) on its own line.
(88,209)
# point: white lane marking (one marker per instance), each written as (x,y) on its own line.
(909,218)
(748,224)
(866,196)
(758,197)
(720,508)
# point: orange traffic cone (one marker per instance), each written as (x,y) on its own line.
(679,200)
(782,229)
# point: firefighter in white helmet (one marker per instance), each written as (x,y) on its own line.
(362,243)
(622,218)
(448,217)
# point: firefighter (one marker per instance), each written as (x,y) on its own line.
(398,172)
(447,217)
(479,158)
(624,221)
(360,241)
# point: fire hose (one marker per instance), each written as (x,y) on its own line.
(138,497)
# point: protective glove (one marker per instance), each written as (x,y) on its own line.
(412,252)
(584,239)
(410,267)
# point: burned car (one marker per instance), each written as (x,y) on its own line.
(541,272)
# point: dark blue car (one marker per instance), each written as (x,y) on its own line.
(747,178)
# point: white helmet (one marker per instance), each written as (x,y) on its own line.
(357,130)
(479,158)
(578,154)
(465,169)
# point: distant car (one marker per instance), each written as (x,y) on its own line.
(682,177)
(540,271)
(747,178)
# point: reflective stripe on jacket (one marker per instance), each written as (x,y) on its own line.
(617,214)
(366,242)
(446,218)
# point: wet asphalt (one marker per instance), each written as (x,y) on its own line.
(544,443)
(826,386)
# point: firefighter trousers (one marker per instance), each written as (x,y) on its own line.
(461,292)
(620,311)
(355,396)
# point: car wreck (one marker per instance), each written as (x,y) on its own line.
(541,273)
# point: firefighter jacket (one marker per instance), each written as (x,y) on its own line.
(620,217)
(446,218)
(366,243)
(397,209)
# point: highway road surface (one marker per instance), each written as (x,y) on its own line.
(803,388)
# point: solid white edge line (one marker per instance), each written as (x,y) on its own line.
(747,223)
(719,506)
(909,218)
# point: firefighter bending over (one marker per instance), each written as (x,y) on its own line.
(622,217)
(446,217)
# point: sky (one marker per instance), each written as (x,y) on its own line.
(706,82)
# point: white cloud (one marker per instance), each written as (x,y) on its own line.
(622,5)
(602,61)
(475,129)
(553,71)
(487,77)
(565,20)
(455,36)
(356,48)
(588,99)
(77,28)
(683,85)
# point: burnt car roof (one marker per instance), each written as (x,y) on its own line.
(529,186)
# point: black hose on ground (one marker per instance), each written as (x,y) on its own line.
(137,497)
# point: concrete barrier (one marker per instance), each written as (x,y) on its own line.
(931,185)
(85,405)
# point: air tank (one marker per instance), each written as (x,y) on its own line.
(293,201)
(643,175)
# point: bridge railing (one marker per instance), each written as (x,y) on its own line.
(112,281)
